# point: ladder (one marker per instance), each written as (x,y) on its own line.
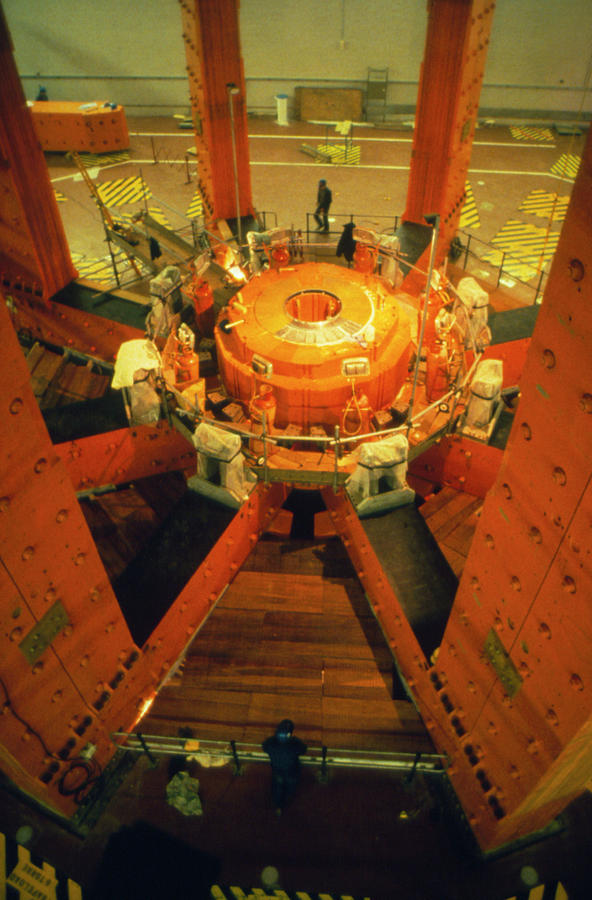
(103,208)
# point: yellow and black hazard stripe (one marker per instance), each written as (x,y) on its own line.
(522,248)
(567,165)
(550,891)
(340,154)
(123,190)
(155,212)
(196,207)
(104,159)
(545,204)
(469,214)
(237,893)
(529,133)
(59,196)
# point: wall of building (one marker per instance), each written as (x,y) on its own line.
(131,52)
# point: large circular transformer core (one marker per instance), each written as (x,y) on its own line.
(315,334)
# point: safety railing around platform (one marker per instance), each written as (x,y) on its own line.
(498,268)
(214,753)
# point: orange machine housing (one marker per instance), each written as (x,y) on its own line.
(314,333)
(92,127)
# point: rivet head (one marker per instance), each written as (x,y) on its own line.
(79,559)
(535,535)
(515,582)
(507,491)
(40,466)
(568,584)
(84,661)
(27,553)
(489,541)
(50,595)
(548,359)
(56,697)
(545,630)
(586,403)
(576,269)
(4,503)
(61,516)
(16,634)
(38,667)
(559,476)
(16,406)
(576,682)
(526,431)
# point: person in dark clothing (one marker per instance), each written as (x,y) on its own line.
(324,198)
(347,245)
(284,751)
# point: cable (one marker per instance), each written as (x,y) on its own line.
(92,773)
(20,719)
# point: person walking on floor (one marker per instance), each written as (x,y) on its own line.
(324,198)
(284,751)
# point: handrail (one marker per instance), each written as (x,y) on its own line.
(249,752)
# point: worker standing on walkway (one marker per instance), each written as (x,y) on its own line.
(284,751)
(324,198)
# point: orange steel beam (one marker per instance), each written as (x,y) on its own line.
(34,260)
(448,101)
(212,49)
(461,463)
(91,679)
(48,557)
(65,326)
(528,576)
(117,457)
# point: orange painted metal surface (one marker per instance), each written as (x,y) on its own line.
(317,335)
(93,127)
(212,49)
(459,462)
(65,326)
(48,557)
(117,457)
(528,577)
(448,101)
(91,679)
(34,256)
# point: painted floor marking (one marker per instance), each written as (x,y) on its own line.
(469,214)
(104,159)
(195,208)
(155,212)
(341,155)
(567,165)
(522,247)
(123,190)
(529,133)
(544,204)
(61,198)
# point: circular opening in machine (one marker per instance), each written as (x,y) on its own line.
(313,306)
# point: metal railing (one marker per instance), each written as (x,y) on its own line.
(472,260)
(236,752)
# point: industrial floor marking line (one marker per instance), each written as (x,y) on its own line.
(124,190)
(528,133)
(237,893)
(104,159)
(195,208)
(522,247)
(567,166)
(469,214)
(545,204)
(61,198)
(340,155)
